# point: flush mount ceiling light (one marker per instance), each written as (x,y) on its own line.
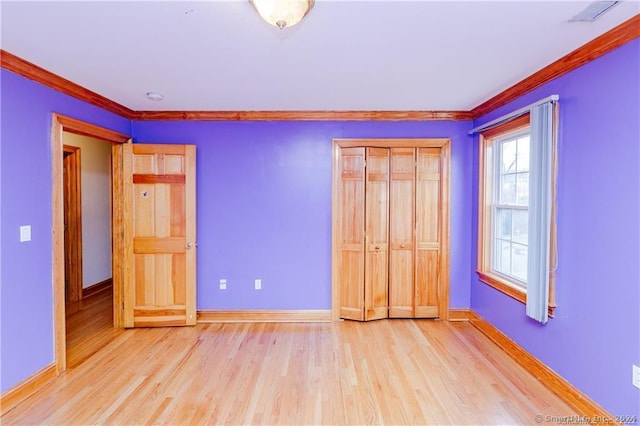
(283,13)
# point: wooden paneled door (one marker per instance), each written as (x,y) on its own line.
(158,246)
(364,235)
(402,219)
(376,264)
(427,237)
(352,236)
(391,228)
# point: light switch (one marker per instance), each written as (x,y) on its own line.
(25,233)
(223,284)
(258,284)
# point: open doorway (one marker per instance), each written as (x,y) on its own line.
(85,323)
(87,245)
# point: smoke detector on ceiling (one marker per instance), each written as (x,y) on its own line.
(155,96)
(594,11)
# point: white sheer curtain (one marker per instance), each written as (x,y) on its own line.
(540,206)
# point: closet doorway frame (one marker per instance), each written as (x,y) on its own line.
(445,145)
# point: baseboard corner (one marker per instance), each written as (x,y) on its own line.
(460,314)
(26,388)
(557,384)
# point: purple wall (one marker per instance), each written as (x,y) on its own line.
(264,211)
(264,206)
(595,337)
(26,275)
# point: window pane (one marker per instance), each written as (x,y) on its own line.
(507,189)
(523,154)
(522,189)
(508,155)
(519,261)
(503,257)
(521,226)
(503,224)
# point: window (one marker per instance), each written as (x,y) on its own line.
(503,225)
(510,211)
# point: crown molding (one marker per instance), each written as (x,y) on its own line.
(33,72)
(611,40)
(302,115)
(605,43)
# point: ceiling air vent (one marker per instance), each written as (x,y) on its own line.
(594,11)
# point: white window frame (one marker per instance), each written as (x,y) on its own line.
(496,205)
(486,217)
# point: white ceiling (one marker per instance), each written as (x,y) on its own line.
(346,55)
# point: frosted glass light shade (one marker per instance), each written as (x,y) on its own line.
(282,13)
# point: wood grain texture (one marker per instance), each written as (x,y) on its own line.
(118,232)
(302,115)
(320,315)
(381,372)
(33,72)
(125,289)
(461,314)
(439,148)
(428,273)
(89,326)
(350,225)
(189,266)
(57,213)
(392,142)
(444,294)
(573,397)
(160,289)
(516,293)
(96,288)
(601,45)
(612,39)
(376,214)
(149,178)
(60,124)
(72,201)
(26,388)
(79,127)
(336,226)
(402,164)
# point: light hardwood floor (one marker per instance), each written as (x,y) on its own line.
(382,372)
(89,326)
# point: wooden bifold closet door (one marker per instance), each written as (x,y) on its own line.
(389,236)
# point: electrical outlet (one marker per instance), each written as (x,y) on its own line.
(223,284)
(636,376)
(258,284)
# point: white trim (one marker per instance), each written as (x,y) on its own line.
(514,114)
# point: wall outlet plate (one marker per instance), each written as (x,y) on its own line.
(636,376)
(25,233)
(223,284)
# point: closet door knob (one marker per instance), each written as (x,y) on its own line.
(401,245)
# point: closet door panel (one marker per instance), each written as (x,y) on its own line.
(376,287)
(428,197)
(352,238)
(401,235)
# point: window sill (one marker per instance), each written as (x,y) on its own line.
(503,286)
